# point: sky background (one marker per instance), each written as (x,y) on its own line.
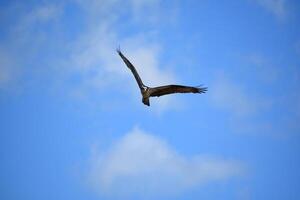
(72,124)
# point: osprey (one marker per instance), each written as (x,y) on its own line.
(148,92)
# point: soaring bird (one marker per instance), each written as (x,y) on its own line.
(148,92)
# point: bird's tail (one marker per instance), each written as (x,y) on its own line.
(146,101)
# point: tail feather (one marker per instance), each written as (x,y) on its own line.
(146,101)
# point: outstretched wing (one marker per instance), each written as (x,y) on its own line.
(170,89)
(133,70)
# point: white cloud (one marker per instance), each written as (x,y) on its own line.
(95,59)
(144,12)
(21,36)
(38,15)
(149,8)
(276,7)
(96,52)
(46,12)
(140,163)
(91,56)
(146,59)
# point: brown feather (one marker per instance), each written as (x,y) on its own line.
(161,90)
(170,89)
(132,69)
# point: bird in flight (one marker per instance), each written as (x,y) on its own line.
(148,92)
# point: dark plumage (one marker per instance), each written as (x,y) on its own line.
(148,92)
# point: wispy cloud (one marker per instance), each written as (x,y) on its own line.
(95,59)
(256,99)
(35,17)
(145,12)
(143,164)
(45,12)
(22,39)
(93,55)
(276,7)
(96,52)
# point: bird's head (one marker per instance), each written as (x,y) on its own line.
(145,88)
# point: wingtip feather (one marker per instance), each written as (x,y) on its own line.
(118,49)
(201,89)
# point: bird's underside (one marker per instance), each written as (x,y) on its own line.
(148,92)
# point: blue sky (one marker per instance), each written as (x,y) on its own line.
(73,125)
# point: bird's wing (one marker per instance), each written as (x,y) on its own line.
(133,70)
(169,89)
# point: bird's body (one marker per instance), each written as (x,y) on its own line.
(148,92)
